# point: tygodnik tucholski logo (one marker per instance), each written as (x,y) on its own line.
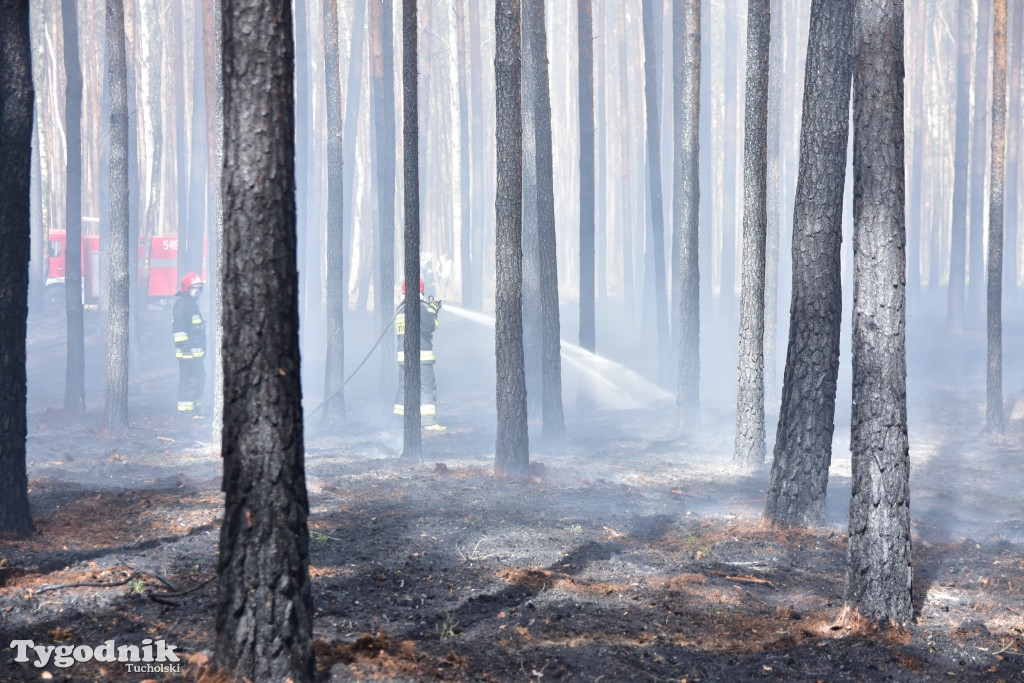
(148,657)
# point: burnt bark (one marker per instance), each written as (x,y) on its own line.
(412,439)
(803,442)
(750,442)
(979,124)
(115,414)
(74,383)
(878,577)
(511,454)
(585,34)
(472,272)
(336,292)
(16,106)
(994,377)
(265,609)
(773,202)
(686,207)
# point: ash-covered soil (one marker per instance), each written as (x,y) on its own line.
(630,553)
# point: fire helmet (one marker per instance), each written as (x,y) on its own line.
(421,286)
(189,280)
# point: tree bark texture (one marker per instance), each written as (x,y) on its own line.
(116,406)
(657,246)
(773,203)
(511,455)
(74,386)
(337,293)
(803,441)
(1013,153)
(585,32)
(686,208)
(533,27)
(382,86)
(994,381)
(265,609)
(535,68)
(472,272)
(878,579)
(750,443)
(412,439)
(958,240)
(16,113)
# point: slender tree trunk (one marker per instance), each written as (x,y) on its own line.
(979,123)
(731,151)
(657,206)
(958,244)
(803,442)
(1013,156)
(512,451)
(74,386)
(629,298)
(773,194)
(994,383)
(585,29)
(533,36)
(750,442)
(465,172)
(686,207)
(412,443)
(383,108)
(115,415)
(350,138)
(16,103)
(472,272)
(199,174)
(265,609)
(337,292)
(878,578)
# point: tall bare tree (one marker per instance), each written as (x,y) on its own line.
(265,609)
(115,415)
(961,170)
(585,37)
(994,382)
(512,454)
(1013,154)
(803,441)
(336,292)
(773,200)
(878,575)
(750,443)
(979,126)
(16,103)
(412,439)
(74,383)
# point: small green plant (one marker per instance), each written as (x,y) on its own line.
(319,537)
(575,529)
(447,629)
(136,586)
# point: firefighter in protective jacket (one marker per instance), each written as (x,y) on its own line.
(429,308)
(189,345)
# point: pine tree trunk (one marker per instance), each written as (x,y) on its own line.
(16,101)
(511,455)
(265,609)
(116,407)
(686,208)
(585,32)
(412,440)
(994,382)
(979,123)
(773,194)
(803,442)
(958,243)
(750,442)
(878,578)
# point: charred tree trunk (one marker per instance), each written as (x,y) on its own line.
(803,441)
(686,207)
(472,272)
(1013,155)
(16,102)
(994,412)
(750,443)
(337,293)
(265,609)
(115,415)
(465,194)
(979,124)
(512,454)
(773,194)
(199,166)
(412,440)
(878,575)
(74,387)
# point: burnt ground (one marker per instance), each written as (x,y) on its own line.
(628,554)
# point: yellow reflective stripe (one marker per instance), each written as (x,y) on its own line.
(401,356)
(180,337)
(400,324)
(427,356)
(186,406)
(197,319)
(182,354)
(428,409)
(198,353)
(399,409)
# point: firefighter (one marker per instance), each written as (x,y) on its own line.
(429,308)
(189,345)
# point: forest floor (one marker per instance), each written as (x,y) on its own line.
(629,554)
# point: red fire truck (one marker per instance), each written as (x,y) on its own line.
(163,267)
